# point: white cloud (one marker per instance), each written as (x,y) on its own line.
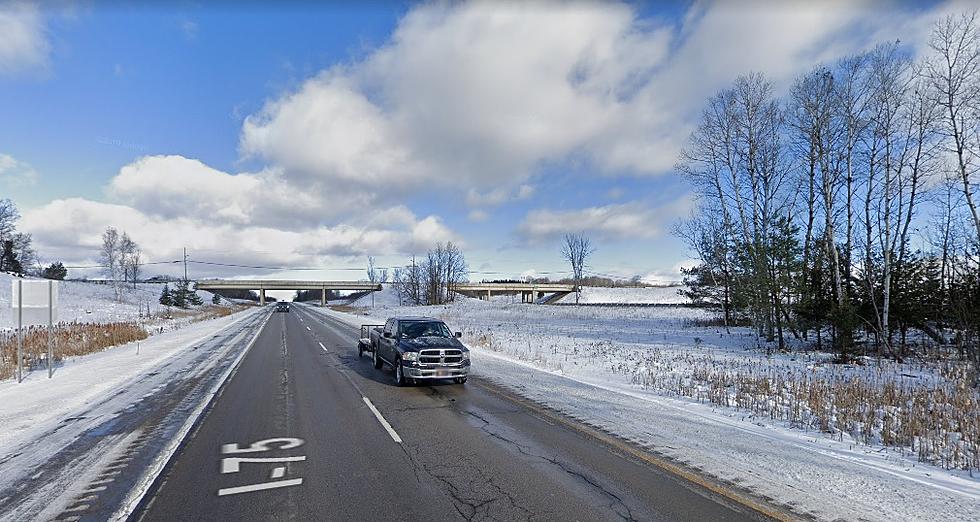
(24,44)
(634,220)
(479,95)
(69,229)
(189,28)
(478,215)
(14,172)
(670,276)
(170,202)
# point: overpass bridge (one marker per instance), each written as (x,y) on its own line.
(261,285)
(530,292)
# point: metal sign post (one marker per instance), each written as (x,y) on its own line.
(36,304)
(20,330)
(50,326)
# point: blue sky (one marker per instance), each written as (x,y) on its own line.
(318,135)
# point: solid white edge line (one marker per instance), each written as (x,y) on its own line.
(143,487)
(381,419)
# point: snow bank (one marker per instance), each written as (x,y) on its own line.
(38,404)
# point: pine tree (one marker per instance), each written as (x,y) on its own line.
(180,295)
(193,298)
(166,297)
(55,271)
(216,299)
(8,259)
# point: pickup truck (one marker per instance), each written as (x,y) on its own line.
(418,348)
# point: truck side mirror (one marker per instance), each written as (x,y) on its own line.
(459,335)
(387,335)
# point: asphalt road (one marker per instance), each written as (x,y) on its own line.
(448,451)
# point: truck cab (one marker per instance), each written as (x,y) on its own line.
(418,349)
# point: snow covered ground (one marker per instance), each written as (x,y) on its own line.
(38,404)
(93,301)
(662,295)
(633,371)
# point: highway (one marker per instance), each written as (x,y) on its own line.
(305,430)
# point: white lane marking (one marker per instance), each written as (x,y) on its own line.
(234,464)
(278,473)
(381,419)
(308,328)
(259,487)
(321,346)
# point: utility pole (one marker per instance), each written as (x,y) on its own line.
(185,264)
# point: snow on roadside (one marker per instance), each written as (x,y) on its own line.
(566,358)
(39,404)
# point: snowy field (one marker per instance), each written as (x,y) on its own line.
(93,302)
(713,401)
(653,295)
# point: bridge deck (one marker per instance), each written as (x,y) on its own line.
(282,284)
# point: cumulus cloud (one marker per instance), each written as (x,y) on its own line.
(479,95)
(634,220)
(24,45)
(170,202)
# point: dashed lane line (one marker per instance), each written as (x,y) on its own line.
(377,414)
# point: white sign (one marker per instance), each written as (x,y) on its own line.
(38,305)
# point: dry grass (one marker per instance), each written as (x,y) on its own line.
(930,412)
(355,310)
(70,340)
(73,339)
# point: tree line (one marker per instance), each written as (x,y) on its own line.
(431,280)
(845,213)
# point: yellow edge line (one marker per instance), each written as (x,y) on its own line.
(684,473)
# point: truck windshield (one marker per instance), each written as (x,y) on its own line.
(418,329)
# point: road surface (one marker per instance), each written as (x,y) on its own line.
(305,430)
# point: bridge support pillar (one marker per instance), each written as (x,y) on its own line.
(323,297)
(488,296)
(262,297)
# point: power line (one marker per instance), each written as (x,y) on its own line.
(141,264)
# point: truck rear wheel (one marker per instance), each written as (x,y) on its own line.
(377,360)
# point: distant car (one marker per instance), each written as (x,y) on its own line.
(418,348)
(282,307)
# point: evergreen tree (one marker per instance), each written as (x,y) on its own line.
(180,295)
(215,299)
(166,297)
(55,271)
(8,259)
(193,298)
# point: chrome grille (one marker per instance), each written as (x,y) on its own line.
(445,356)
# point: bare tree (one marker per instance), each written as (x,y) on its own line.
(109,257)
(576,249)
(372,271)
(135,265)
(8,218)
(26,255)
(954,73)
